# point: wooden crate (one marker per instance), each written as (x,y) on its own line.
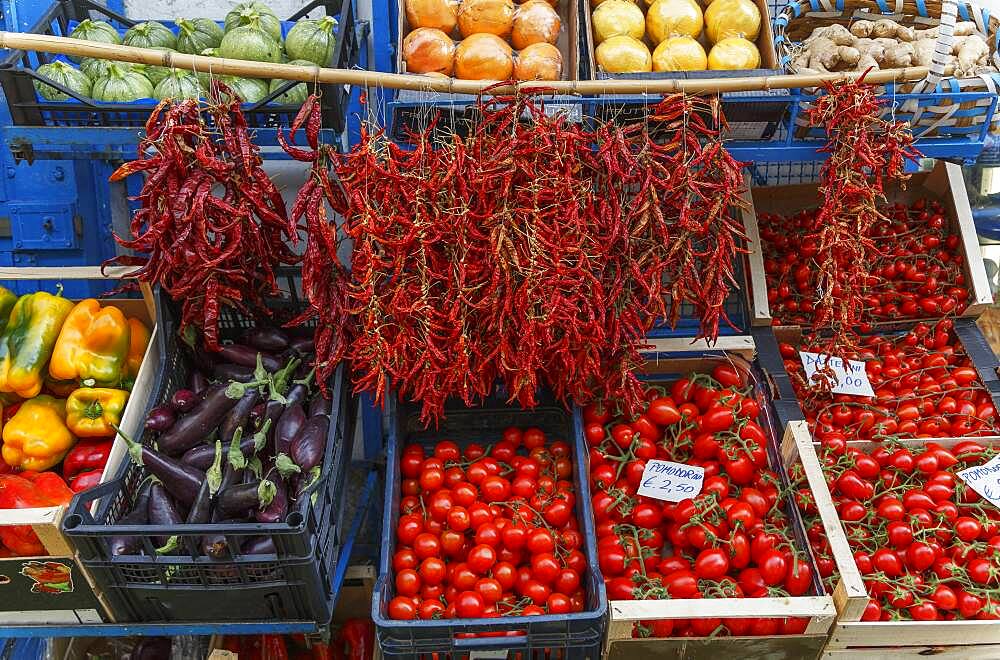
(22,599)
(623,614)
(759,309)
(944,183)
(873,639)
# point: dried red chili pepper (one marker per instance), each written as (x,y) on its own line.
(207,250)
(864,150)
(517,252)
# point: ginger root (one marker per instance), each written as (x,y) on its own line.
(972,52)
(886,44)
(888,29)
(899,56)
(836,33)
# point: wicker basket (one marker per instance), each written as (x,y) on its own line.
(937,112)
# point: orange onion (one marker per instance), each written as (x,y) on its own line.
(483,57)
(535,22)
(427,50)
(438,14)
(538,62)
(486,17)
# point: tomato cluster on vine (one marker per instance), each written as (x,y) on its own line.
(927,545)
(488,531)
(924,382)
(918,272)
(733,540)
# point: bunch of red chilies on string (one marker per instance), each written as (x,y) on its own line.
(521,253)
(531,251)
(212,224)
(865,150)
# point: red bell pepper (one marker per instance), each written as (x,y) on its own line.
(85,456)
(86,480)
(357,638)
(28,490)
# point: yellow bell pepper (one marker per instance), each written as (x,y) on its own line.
(7,300)
(138,341)
(27,341)
(92,346)
(93,412)
(36,437)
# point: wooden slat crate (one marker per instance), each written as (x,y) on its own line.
(677,357)
(877,639)
(944,183)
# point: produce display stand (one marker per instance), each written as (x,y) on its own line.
(765,133)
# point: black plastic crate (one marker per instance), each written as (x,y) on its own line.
(27,108)
(552,637)
(294,584)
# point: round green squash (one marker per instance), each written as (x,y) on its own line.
(150,35)
(195,35)
(314,40)
(64,74)
(122,83)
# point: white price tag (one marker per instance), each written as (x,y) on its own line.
(851,379)
(985,480)
(671,482)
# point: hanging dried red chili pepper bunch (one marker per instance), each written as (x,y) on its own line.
(521,253)
(669,191)
(325,279)
(212,223)
(865,150)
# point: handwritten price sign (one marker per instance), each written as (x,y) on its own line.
(985,480)
(671,482)
(851,378)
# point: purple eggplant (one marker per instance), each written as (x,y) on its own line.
(139,515)
(234,372)
(296,394)
(162,511)
(182,481)
(151,648)
(309,445)
(259,545)
(196,425)
(161,418)
(289,425)
(238,416)
(272,413)
(216,546)
(201,509)
(197,382)
(320,405)
(247,357)
(201,457)
(242,498)
(272,340)
(303,345)
(184,400)
(277,509)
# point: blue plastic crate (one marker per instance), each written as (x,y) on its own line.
(17,75)
(568,636)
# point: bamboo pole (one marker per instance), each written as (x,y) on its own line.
(356,77)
